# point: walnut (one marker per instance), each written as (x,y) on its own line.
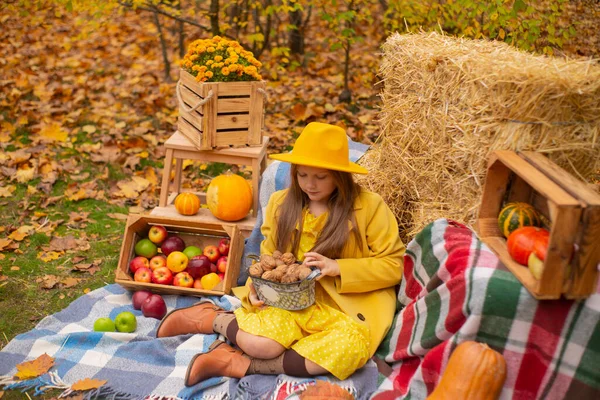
(279,262)
(255,270)
(276,254)
(288,258)
(267,262)
(303,272)
(273,275)
(290,278)
(283,268)
(293,269)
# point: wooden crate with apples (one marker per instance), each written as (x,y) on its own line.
(220,114)
(570,209)
(203,235)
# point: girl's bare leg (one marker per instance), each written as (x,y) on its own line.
(258,346)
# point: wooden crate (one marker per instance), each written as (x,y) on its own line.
(232,117)
(194,233)
(571,209)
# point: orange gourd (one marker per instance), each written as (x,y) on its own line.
(187,203)
(229,197)
(474,372)
(325,391)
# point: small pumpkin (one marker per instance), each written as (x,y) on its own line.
(229,197)
(187,203)
(516,215)
(522,241)
(474,372)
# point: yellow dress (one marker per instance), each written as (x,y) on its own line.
(320,333)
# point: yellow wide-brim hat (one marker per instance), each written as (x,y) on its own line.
(322,146)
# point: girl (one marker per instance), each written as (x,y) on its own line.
(328,221)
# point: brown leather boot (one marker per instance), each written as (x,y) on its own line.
(220,360)
(195,319)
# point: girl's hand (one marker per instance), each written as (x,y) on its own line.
(253,297)
(327,266)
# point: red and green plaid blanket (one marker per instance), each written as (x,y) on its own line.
(455,289)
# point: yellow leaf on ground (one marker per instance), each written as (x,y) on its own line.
(14,268)
(70,282)
(25,173)
(22,233)
(4,243)
(87,290)
(53,133)
(87,384)
(35,368)
(119,216)
(48,256)
(7,191)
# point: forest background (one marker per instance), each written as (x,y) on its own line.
(87,98)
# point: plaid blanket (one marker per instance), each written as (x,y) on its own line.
(137,365)
(454,289)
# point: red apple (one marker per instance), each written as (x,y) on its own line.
(223,246)
(197,284)
(183,279)
(143,274)
(162,276)
(154,307)
(222,264)
(157,234)
(213,268)
(158,261)
(221,276)
(212,253)
(198,266)
(139,297)
(171,244)
(137,263)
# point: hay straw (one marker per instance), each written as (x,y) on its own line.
(448,102)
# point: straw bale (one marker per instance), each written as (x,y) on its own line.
(449,102)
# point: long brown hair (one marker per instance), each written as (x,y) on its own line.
(336,232)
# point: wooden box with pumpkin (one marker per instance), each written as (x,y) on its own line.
(220,114)
(568,209)
(193,233)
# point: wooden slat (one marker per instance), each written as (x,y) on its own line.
(560,249)
(224,105)
(256,113)
(573,186)
(224,122)
(520,190)
(193,135)
(487,227)
(190,99)
(536,179)
(587,258)
(495,186)
(210,115)
(180,142)
(225,138)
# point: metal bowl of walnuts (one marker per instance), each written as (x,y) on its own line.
(282,282)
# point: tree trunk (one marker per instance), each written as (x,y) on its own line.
(214,17)
(296,35)
(163,46)
(181,34)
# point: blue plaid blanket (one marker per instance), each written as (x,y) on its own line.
(137,365)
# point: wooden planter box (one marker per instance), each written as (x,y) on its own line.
(573,209)
(232,117)
(193,233)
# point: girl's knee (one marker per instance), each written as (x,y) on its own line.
(259,346)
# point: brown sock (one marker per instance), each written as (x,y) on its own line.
(273,366)
(226,325)
(289,362)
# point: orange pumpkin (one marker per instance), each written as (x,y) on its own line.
(229,197)
(474,372)
(187,203)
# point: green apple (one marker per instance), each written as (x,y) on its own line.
(126,322)
(146,248)
(192,251)
(536,266)
(104,325)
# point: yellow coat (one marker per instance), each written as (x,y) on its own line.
(365,288)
